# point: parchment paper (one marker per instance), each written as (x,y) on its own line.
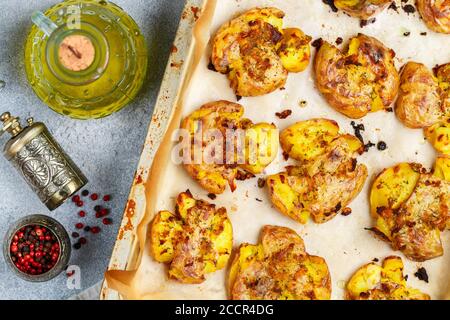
(343,241)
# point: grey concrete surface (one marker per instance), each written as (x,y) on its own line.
(107,150)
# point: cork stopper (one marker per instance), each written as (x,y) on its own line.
(76,52)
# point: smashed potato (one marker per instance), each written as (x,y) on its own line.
(386,282)
(328,177)
(442,168)
(439,136)
(411,208)
(360,81)
(194,241)
(257,54)
(419,101)
(278,268)
(436,14)
(261,145)
(362,9)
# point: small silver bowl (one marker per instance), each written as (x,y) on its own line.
(61,235)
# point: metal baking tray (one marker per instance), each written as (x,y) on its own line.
(123,255)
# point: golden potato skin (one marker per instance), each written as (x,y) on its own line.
(328,176)
(411,208)
(436,14)
(360,81)
(256,53)
(278,268)
(419,102)
(362,9)
(194,241)
(439,136)
(386,282)
(227,117)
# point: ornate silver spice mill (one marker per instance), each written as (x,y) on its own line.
(47,169)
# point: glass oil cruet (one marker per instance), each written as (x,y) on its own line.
(86,58)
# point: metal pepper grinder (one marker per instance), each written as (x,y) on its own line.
(47,169)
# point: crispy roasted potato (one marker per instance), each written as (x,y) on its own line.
(411,208)
(424,102)
(387,282)
(261,147)
(360,81)
(294,50)
(436,14)
(439,136)
(306,140)
(214,165)
(194,241)
(278,268)
(442,168)
(393,186)
(328,177)
(256,53)
(362,9)
(419,102)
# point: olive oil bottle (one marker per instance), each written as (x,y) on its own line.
(85,59)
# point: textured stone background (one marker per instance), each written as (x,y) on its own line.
(107,150)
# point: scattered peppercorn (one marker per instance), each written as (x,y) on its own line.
(423,33)
(85,193)
(80,204)
(97,208)
(87,228)
(77,246)
(95,230)
(106,197)
(82,240)
(76,199)
(75,234)
(381,146)
(422,274)
(104,212)
(339,40)
(82,213)
(375,260)
(94,196)
(407,34)
(107,221)
(79,225)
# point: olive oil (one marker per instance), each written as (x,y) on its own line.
(108,80)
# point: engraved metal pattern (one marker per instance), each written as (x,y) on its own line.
(44,166)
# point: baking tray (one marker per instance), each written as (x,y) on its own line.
(343,238)
(123,255)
